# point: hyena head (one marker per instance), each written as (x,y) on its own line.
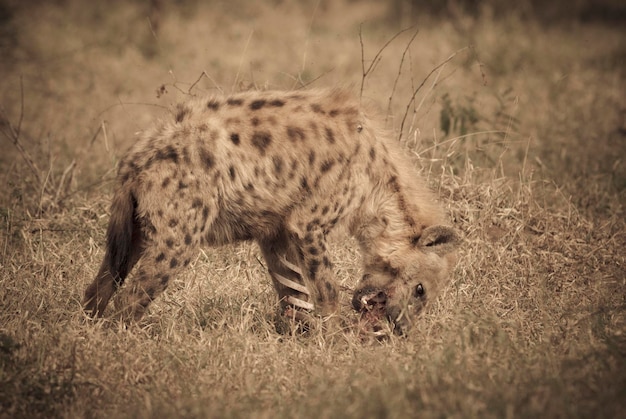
(397,288)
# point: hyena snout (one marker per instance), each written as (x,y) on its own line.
(369,299)
(377,306)
(372,305)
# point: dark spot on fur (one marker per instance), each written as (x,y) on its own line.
(186,262)
(234,101)
(165,279)
(312,224)
(261,140)
(334,112)
(393,183)
(187,239)
(315,107)
(160,257)
(295,133)
(257,104)
(330,135)
(255,121)
(294,167)
(331,289)
(304,184)
(169,243)
(278,164)
(326,165)
(277,103)
(325,210)
(186,157)
(165,182)
(311,157)
(314,250)
(150,291)
(205,213)
(167,153)
(181,112)
(234,137)
(181,185)
(214,105)
(207,158)
(173,223)
(249,187)
(231,172)
(314,265)
(173,263)
(388,269)
(196,203)
(372,154)
(327,262)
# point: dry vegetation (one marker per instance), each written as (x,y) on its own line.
(522,135)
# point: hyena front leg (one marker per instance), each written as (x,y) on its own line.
(317,269)
(159,263)
(282,263)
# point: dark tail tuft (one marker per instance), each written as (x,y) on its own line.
(120,233)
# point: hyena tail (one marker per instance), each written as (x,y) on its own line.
(122,234)
(123,248)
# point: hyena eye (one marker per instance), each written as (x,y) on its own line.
(419,290)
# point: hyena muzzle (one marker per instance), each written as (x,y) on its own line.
(284,169)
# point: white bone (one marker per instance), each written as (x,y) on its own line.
(299,303)
(291,284)
(290,265)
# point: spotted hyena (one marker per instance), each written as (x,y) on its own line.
(284,169)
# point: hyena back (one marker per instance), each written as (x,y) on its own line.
(284,169)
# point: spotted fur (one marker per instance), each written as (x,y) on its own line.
(284,169)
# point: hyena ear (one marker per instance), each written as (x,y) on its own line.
(439,239)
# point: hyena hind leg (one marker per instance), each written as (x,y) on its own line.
(157,266)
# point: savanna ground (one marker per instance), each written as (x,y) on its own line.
(519,126)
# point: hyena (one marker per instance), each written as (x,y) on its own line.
(284,169)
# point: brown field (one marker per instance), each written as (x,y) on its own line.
(519,124)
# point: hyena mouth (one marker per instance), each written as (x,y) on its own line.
(372,307)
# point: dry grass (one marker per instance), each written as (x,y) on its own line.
(530,167)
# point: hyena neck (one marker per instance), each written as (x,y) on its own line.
(388,223)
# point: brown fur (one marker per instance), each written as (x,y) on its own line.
(284,169)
